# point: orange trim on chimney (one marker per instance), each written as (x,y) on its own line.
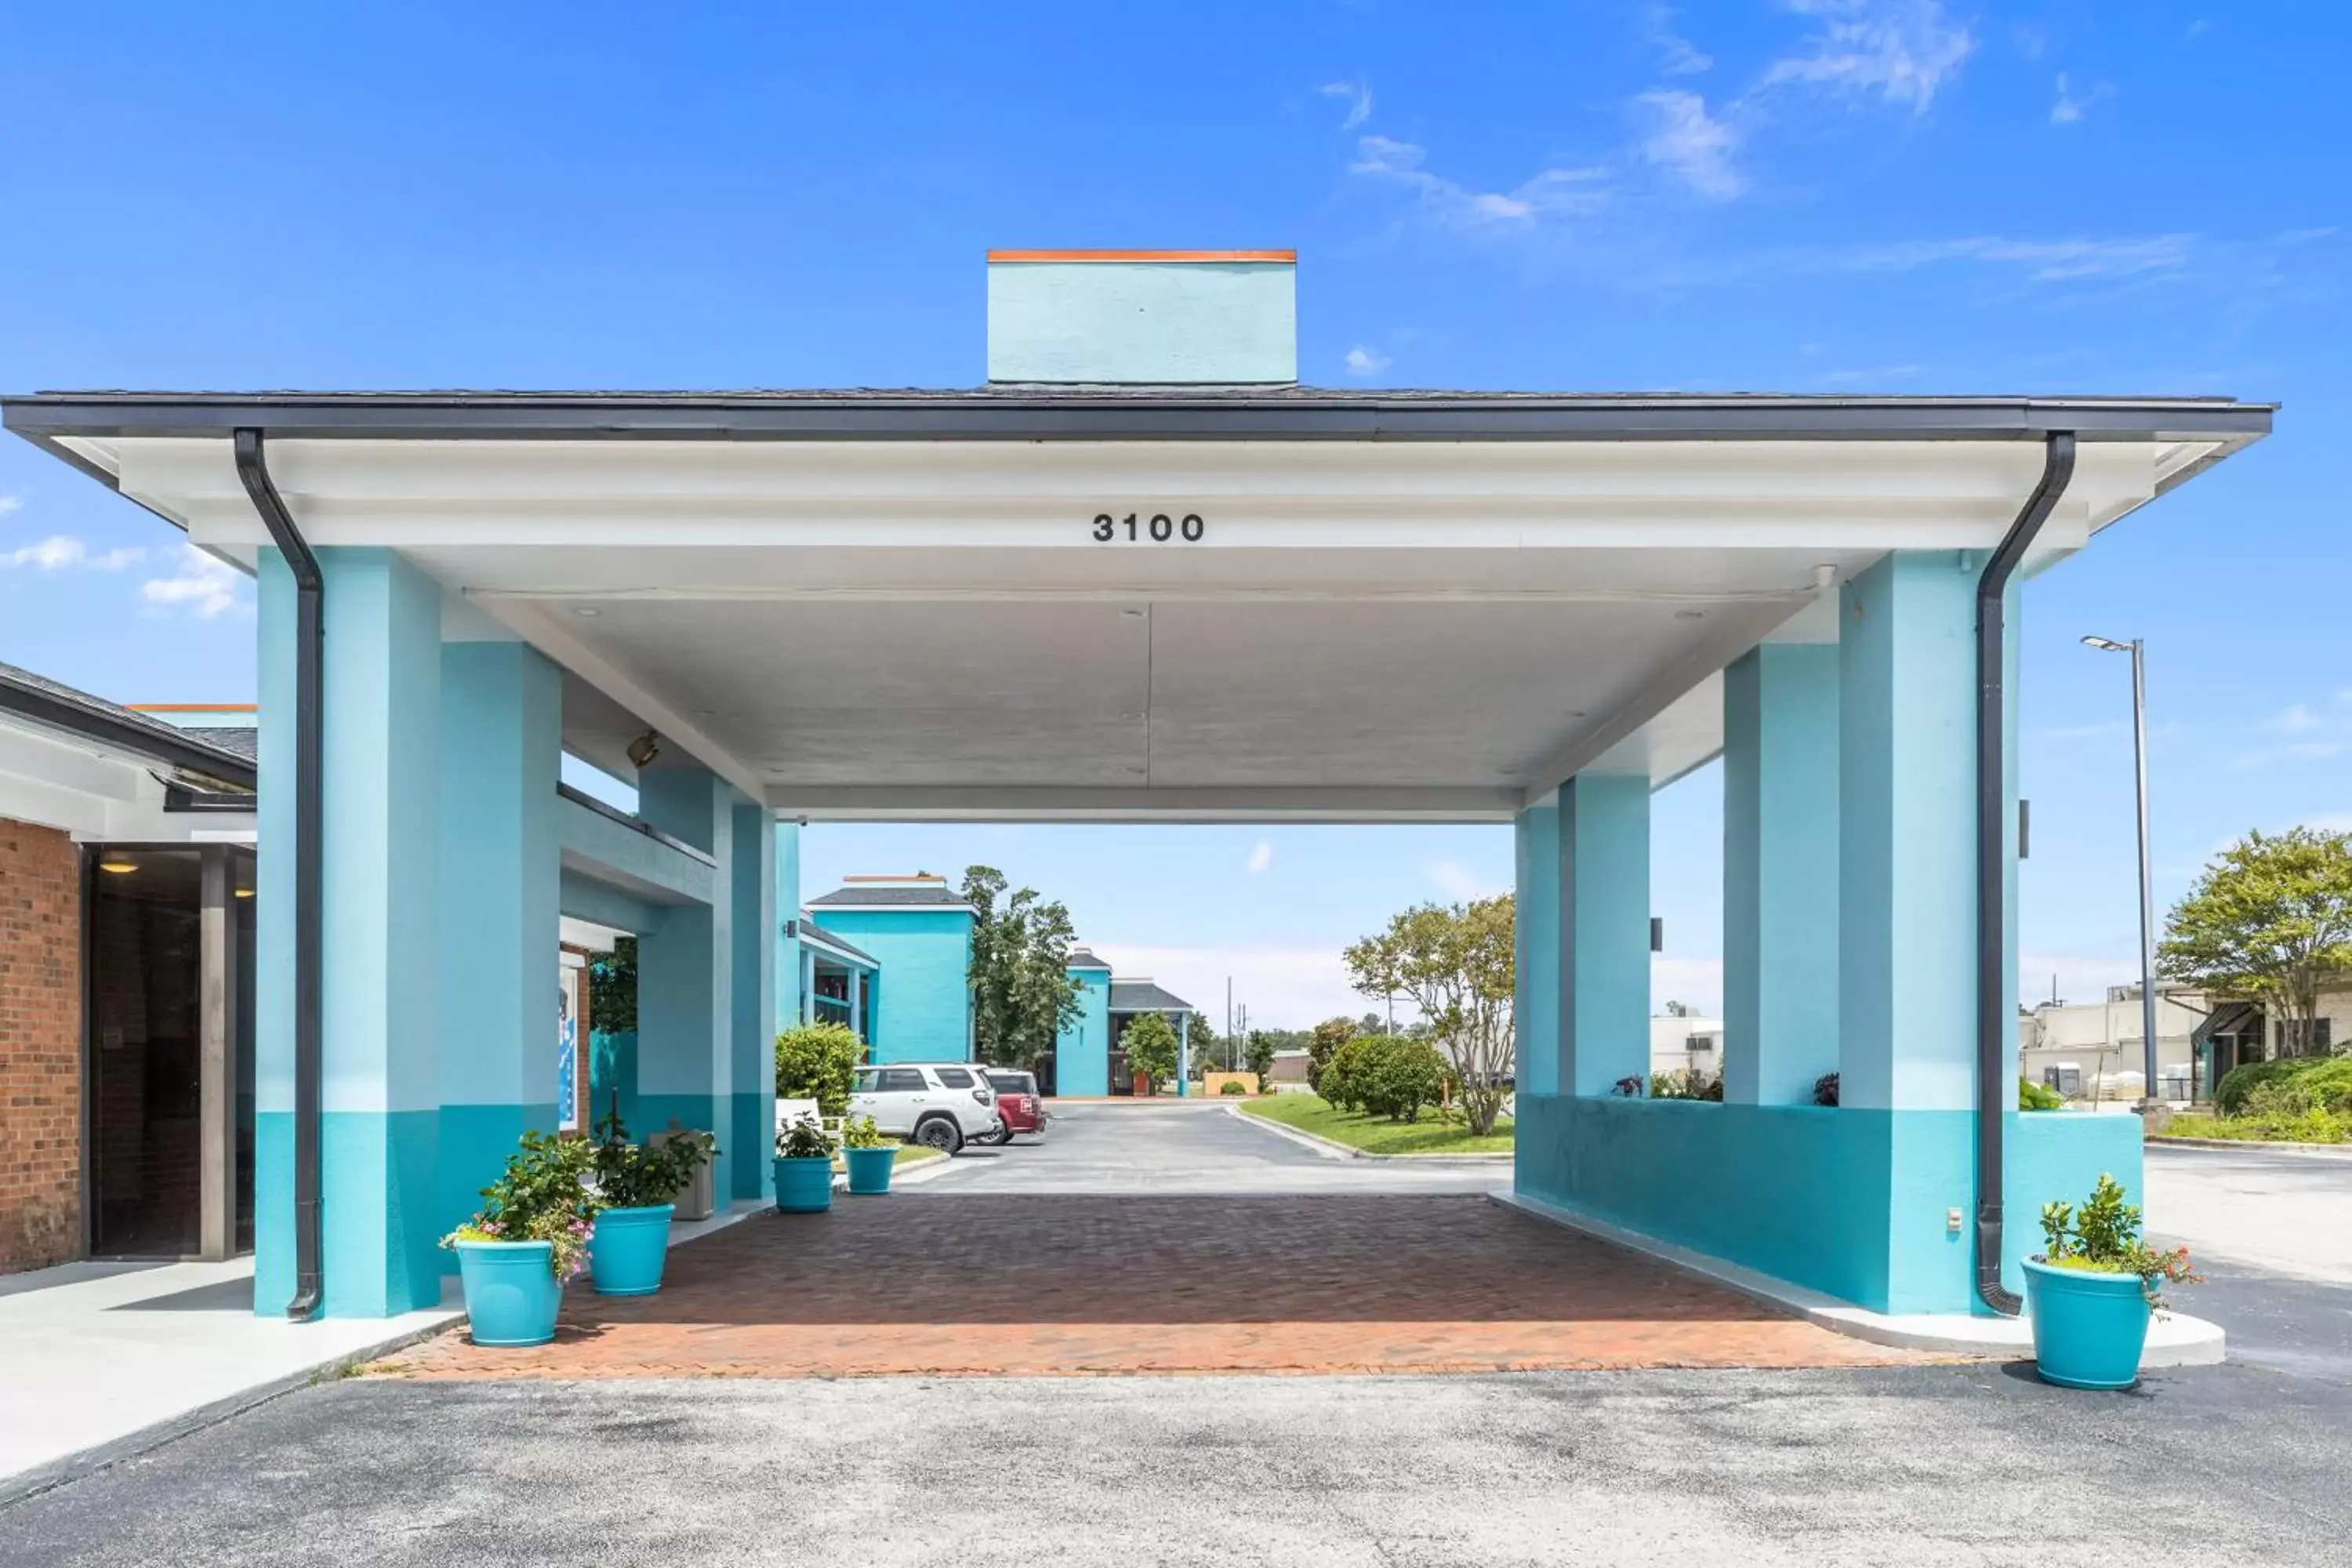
(1289,257)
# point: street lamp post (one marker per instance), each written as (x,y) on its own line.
(2147,882)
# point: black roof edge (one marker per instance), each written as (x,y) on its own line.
(149,740)
(1156,413)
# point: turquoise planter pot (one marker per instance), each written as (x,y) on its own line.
(869,1169)
(511,1294)
(627,1249)
(2088,1329)
(803,1187)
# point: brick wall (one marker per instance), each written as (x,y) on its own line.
(40,1047)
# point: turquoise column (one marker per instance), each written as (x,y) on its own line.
(1780,765)
(380,1092)
(752,1072)
(1907,916)
(1604,1006)
(501,747)
(1535,939)
(792,994)
(686,994)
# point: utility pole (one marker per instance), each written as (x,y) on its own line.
(2147,881)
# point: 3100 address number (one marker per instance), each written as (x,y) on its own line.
(1159,528)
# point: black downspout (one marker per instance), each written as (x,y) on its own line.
(253,468)
(1996,1024)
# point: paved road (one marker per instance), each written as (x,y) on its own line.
(1924,1467)
(1177,1149)
(2272,1232)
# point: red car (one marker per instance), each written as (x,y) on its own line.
(1018,1102)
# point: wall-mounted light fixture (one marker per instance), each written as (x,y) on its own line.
(117,867)
(643,750)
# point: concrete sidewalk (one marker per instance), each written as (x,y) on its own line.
(99,1361)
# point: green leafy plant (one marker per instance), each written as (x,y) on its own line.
(542,1195)
(2102,1237)
(1686,1083)
(1232,1086)
(1324,1044)
(2270,921)
(804,1138)
(863,1132)
(635,1176)
(2031,1095)
(1152,1047)
(1457,965)
(818,1061)
(2329,1078)
(1825,1090)
(1385,1075)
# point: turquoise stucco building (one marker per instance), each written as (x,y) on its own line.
(1082,1052)
(1144,576)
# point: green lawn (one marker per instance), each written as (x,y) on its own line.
(915,1153)
(2314,1127)
(1378,1135)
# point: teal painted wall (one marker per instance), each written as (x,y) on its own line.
(1082,1051)
(922,1010)
(1142,322)
(1780,764)
(789,989)
(1535,940)
(753,1073)
(1604,915)
(1850,1202)
(686,987)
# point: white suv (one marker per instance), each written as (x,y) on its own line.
(936,1103)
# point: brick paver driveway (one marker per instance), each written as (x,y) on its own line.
(956,1278)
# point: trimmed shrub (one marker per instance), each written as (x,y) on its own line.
(817,1061)
(1385,1075)
(2327,1079)
(2031,1095)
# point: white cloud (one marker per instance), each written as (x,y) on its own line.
(60,550)
(1365,361)
(2067,109)
(2043,260)
(1284,988)
(1691,142)
(1676,55)
(1552,194)
(1902,51)
(1359,97)
(10,503)
(1262,857)
(1459,883)
(209,587)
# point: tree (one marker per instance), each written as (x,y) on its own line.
(1328,1037)
(1455,963)
(1259,1056)
(1022,996)
(2267,922)
(1150,1045)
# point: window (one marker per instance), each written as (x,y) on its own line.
(953,1077)
(903,1080)
(1012,1083)
(865,1080)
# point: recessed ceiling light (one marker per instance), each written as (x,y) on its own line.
(1132,615)
(245,892)
(1690,614)
(586,610)
(119,868)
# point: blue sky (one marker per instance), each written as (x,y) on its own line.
(1885,196)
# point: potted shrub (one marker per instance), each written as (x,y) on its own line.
(2091,1289)
(804,1167)
(869,1153)
(637,1185)
(528,1237)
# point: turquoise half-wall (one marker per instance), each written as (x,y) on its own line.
(1854,1203)
(1082,1051)
(924,1012)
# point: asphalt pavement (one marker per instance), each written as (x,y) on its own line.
(2271,1229)
(1929,1466)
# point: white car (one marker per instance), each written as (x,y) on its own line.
(939,1104)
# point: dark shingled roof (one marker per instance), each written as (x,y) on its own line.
(929,893)
(1143,996)
(812,932)
(206,754)
(1083,958)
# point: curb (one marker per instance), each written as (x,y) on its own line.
(2176,1338)
(1332,1148)
(2314,1150)
(73,1466)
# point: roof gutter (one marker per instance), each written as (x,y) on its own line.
(309,758)
(149,743)
(1996,1035)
